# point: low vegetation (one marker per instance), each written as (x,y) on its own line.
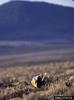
(15,82)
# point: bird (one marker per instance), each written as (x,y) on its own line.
(38,81)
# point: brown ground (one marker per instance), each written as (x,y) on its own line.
(15,81)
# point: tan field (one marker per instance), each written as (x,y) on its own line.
(15,81)
(16,72)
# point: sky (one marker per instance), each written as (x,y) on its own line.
(69,3)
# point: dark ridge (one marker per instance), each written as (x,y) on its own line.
(20,20)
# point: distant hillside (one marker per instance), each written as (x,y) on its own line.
(21,20)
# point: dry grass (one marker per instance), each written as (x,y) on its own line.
(15,81)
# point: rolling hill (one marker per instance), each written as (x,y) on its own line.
(21,20)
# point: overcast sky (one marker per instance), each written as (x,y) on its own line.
(69,3)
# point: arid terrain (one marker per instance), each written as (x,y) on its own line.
(17,70)
(15,81)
